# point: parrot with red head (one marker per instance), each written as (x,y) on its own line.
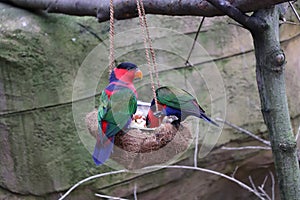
(172,101)
(118,103)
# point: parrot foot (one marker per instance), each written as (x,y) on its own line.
(172,119)
(158,114)
(169,119)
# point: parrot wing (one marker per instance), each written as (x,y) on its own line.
(116,114)
(122,106)
(103,105)
(178,98)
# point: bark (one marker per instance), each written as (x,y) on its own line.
(125,9)
(251,23)
(270,62)
(271,84)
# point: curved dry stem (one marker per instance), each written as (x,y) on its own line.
(243,185)
(90,178)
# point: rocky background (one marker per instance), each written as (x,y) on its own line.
(48,61)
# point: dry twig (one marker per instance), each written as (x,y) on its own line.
(273,185)
(294,10)
(135,192)
(109,197)
(196,146)
(266,142)
(234,172)
(289,22)
(246,148)
(298,132)
(91,178)
(252,184)
(262,188)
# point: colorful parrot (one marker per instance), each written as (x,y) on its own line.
(173,101)
(118,102)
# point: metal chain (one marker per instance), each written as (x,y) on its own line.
(111,37)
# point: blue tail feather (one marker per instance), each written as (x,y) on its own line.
(203,116)
(102,151)
(182,115)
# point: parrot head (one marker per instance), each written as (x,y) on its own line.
(126,72)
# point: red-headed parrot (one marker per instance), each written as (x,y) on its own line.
(172,101)
(118,102)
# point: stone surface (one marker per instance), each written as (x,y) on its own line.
(40,56)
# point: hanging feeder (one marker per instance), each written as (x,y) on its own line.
(143,147)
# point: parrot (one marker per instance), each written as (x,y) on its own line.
(118,103)
(172,101)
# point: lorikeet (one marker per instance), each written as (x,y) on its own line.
(175,102)
(118,102)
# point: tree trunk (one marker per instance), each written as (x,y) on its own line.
(271,84)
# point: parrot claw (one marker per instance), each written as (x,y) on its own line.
(158,114)
(169,119)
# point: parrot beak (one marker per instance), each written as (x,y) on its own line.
(138,74)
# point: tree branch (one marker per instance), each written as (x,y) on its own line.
(135,192)
(294,10)
(273,185)
(109,197)
(297,135)
(91,178)
(245,148)
(249,22)
(266,142)
(125,9)
(270,76)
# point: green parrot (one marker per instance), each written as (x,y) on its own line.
(118,102)
(172,101)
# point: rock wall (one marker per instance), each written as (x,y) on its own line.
(44,147)
(40,56)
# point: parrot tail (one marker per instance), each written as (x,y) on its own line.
(102,151)
(206,118)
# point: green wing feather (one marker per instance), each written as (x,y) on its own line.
(103,105)
(177,98)
(117,111)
